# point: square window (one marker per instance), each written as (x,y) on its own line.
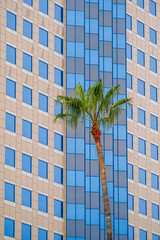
(152,7)
(140,58)
(140,3)
(154,151)
(153,64)
(58,77)
(9,157)
(140,86)
(141,146)
(27,95)
(153,93)
(129,21)
(9,192)
(42,203)
(43,135)
(42,169)
(26,163)
(43,37)
(130,202)
(43,6)
(10,122)
(155,237)
(130,111)
(27,29)
(26,129)
(130,232)
(26,233)
(10,54)
(140,28)
(130,171)
(129,51)
(152,35)
(11,21)
(29,2)
(142,206)
(43,69)
(57,108)
(130,140)
(58,13)
(10,88)
(58,236)
(141,116)
(43,102)
(58,45)
(26,197)
(58,175)
(142,234)
(154,181)
(9,227)
(142,176)
(42,234)
(154,122)
(27,62)
(58,142)
(129,80)
(155,211)
(58,208)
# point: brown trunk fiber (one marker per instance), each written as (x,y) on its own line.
(96,134)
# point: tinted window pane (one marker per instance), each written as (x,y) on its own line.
(58,44)
(142,206)
(154,122)
(155,211)
(10,54)
(10,122)
(42,169)
(10,88)
(42,203)
(27,62)
(58,175)
(29,2)
(140,3)
(9,227)
(11,21)
(152,7)
(154,181)
(26,129)
(129,21)
(43,6)
(42,234)
(153,64)
(140,28)
(153,93)
(140,57)
(10,192)
(58,13)
(154,151)
(43,37)
(129,80)
(27,95)
(141,146)
(43,69)
(152,35)
(130,171)
(58,142)
(26,197)
(27,29)
(43,102)
(26,232)
(141,87)
(58,77)
(142,176)
(58,208)
(26,163)
(9,157)
(43,135)
(141,116)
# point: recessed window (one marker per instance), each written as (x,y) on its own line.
(10,88)
(142,234)
(140,57)
(130,140)
(130,202)
(58,236)
(142,206)
(42,169)
(140,86)
(142,176)
(43,102)
(141,116)
(43,69)
(29,2)
(27,29)
(27,95)
(58,77)
(58,208)
(155,237)
(154,122)
(140,28)
(26,129)
(153,93)
(155,211)
(58,174)
(58,13)
(42,234)
(27,62)
(26,197)
(43,6)
(11,21)
(10,122)
(26,233)
(58,45)
(58,142)
(129,21)
(152,7)
(129,51)
(9,192)
(152,35)
(153,64)
(9,157)
(26,163)
(140,3)
(43,135)
(10,54)
(130,171)
(154,151)
(129,80)
(9,227)
(141,146)
(43,37)
(130,232)
(42,203)
(57,108)
(155,181)
(130,111)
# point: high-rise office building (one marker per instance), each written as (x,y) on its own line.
(49,174)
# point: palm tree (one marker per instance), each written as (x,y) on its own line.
(98,109)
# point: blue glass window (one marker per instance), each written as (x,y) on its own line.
(29,2)
(152,7)
(155,237)
(9,192)
(140,3)
(43,6)
(11,21)
(142,176)
(130,140)
(43,37)
(142,206)
(153,122)
(129,80)
(140,86)
(141,116)
(58,142)
(26,129)
(152,35)
(129,51)
(153,93)
(58,77)
(58,13)
(26,163)
(130,171)
(27,95)
(10,122)
(58,45)
(142,234)
(58,236)
(43,69)
(141,146)
(130,111)
(26,233)
(10,54)
(57,107)
(42,169)
(140,57)
(129,21)
(58,175)
(9,157)
(155,181)
(10,88)
(130,232)
(154,151)
(42,203)
(43,135)
(27,62)
(58,208)
(130,202)
(27,29)
(155,211)
(153,64)
(140,28)
(42,234)
(26,197)
(9,227)
(43,102)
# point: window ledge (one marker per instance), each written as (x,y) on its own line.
(43,47)
(43,112)
(153,44)
(11,65)
(10,133)
(130,150)
(155,161)
(58,185)
(43,146)
(59,87)
(155,190)
(129,60)
(58,219)
(140,8)
(10,98)
(142,96)
(154,131)
(27,6)
(156,221)
(153,102)
(142,185)
(128,1)
(26,208)
(42,179)
(43,15)
(58,55)
(43,79)
(27,72)
(151,15)
(142,216)
(5,237)
(129,31)
(27,106)
(43,214)
(140,37)
(10,203)
(27,174)
(59,23)
(27,39)
(130,211)
(141,155)
(11,31)
(141,125)
(153,73)
(130,181)
(59,152)
(27,139)
(140,66)
(10,168)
